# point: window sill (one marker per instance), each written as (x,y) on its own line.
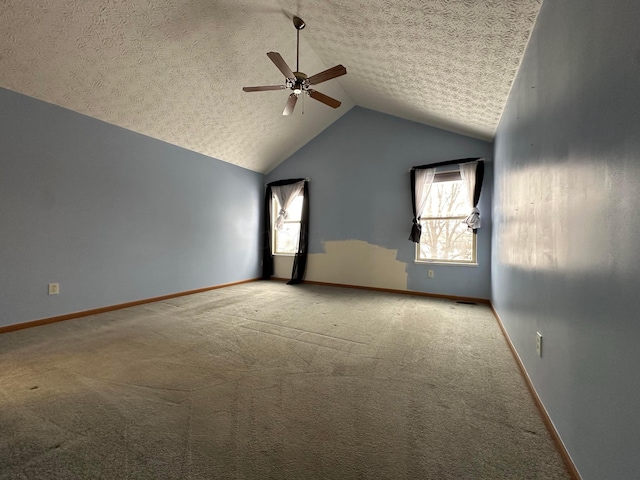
(284,254)
(452,264)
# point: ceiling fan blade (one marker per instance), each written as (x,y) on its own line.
(279,62)
(264,88)
(321,97)
(333,72)
(291,103)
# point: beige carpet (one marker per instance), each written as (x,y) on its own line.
(269,381)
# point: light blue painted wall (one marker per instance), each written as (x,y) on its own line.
(566,255)
(111,215)
(360,190)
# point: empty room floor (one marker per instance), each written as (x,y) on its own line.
(264,380)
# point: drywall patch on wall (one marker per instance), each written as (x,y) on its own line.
(350,262)
(356,262)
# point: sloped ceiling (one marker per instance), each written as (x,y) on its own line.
(173,69)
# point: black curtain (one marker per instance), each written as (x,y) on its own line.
(267,256)
(416,228)
(478,188)
(300,258)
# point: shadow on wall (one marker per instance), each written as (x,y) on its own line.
(351,262)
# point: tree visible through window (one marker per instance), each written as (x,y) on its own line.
(445,238)
(285,241)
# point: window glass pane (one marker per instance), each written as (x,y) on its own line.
(448,240)
(447,199)
(295,209)
(287,238)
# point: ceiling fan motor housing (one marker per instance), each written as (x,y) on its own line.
(300,85)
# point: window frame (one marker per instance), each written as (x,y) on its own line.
(447,176)
(275,208)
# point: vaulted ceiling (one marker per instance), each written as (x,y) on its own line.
(174,69)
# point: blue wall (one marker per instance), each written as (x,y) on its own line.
(111,215)
(360,190)
(566,260)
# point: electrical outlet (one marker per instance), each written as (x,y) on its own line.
(54,288)
(539,344)
(430,274)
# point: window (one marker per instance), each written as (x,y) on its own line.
(445,238)
(285,241)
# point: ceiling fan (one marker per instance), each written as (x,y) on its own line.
(297,81)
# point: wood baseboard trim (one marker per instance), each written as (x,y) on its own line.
(95,311)
(571,467)
(391,290)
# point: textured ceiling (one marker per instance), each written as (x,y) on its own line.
(173,69)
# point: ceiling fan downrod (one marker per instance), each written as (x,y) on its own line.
(299,24)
